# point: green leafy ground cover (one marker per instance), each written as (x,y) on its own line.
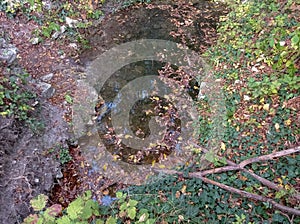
(257,58)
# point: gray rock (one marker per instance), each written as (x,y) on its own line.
(2,42)
(59,174)
(47,89)
(47,78)
(8,54)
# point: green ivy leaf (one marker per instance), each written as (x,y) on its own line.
(131,212)
(87,195)
(123,206)
(111,220)
(75,208)
(132,203)
(64,220)
(272,42)
(295,40)
(119,194)
(86,213)
(150,221)
(69,99)
(39,202)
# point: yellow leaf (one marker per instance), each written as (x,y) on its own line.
(223,146)
(266,107)
(153,163)
(183,189)
(115,157)
(128,136)
(288,122)
(104,167)
(287,187)
(155,98)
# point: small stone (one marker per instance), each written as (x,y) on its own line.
(47,78)
(35,40)
(2,43)
(8,55)
(246,98)
(238,82)
(47,89)
(282,43)
(59,174)
(62,29)
(74,45)
(71,22)
(254,69)
(55,35)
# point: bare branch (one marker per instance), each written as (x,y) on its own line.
(260,179)
(269,156)
(249,195)
(240,167)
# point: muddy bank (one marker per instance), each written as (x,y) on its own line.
(27,168)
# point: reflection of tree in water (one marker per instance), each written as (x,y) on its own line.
(143,114)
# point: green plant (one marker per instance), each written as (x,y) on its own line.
(81,210)
(85,210)
(128,3)
(48,29)
(64,155)
(127,209)
(27,6)
(14,98)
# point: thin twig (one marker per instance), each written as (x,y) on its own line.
(269,156)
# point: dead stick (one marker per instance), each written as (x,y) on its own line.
(269,156)
(237,191)
(260,179)
(249,195)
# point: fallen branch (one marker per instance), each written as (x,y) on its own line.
(240,167)
(262,180)
(249,195)
(269,156)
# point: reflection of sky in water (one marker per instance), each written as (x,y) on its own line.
(107,200)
